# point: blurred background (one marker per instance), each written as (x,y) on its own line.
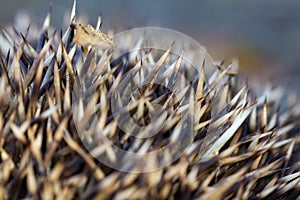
(263,34)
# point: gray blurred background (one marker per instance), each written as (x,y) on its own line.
(263,34)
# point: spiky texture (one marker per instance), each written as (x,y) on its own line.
(248,149)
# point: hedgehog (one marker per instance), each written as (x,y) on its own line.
(62,117)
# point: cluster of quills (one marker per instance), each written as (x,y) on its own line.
(243,146)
